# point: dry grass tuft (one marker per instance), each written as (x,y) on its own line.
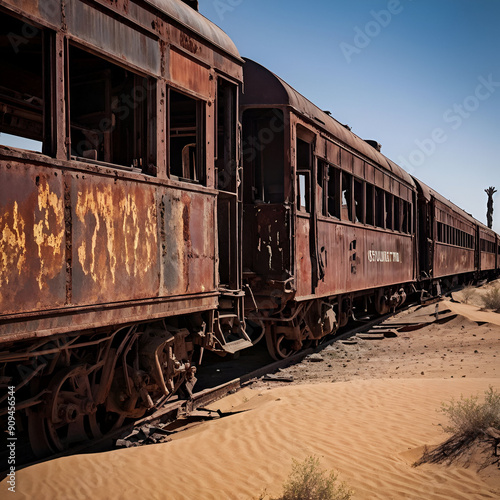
(491,298)
(474,425)
(308,481)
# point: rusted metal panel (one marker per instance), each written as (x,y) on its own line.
(112,36)
(357,258)
(266,241)
(180,12)
(450,260)
(369,173)
(73,319)
(332,153)
(379,178)
(358,167)
(346,160)
(49,10)
(32,238)
(189,74)
(303,269)
(114,240)
(188,253)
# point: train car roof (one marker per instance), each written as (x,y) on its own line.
(427,192)
(264,87)
(189,17)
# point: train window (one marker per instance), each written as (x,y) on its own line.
(22,105)
(334,195)
(304,159)
(303,191)
(346,209)
(359,200)
(321,184)
(108,112)
(405,216)
(379,207)
(186,137)
(397,214)
(262,154)
(389,210)
(370,208)
(439,231)
(226,136)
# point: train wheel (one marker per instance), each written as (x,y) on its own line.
(68,416)
(278,346)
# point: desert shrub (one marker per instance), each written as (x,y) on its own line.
(308,481)
(470,417)
(468,292)
(491,298)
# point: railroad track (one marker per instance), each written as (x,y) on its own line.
(178,415)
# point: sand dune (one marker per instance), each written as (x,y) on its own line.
(371,431)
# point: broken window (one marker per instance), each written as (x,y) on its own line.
(263,155)
(370,214)
(226,136)
(187,136)
(397,214)
(359,200)
(346,210)
(334,195)
(108,112)
(389,210)
(23,96)
(304,159)
(406,216)
(380,208)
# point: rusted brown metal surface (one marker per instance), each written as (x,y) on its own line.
(488,248)
(87,245)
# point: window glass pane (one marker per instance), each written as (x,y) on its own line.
(303,201)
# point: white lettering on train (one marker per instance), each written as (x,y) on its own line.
(381,256)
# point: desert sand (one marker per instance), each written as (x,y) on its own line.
(366,410)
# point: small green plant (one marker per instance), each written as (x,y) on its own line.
(308,481)
(491,298)
(470,418)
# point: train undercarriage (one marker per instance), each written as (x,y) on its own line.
(72,388)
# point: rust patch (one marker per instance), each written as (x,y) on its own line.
(12,243)
(48,232)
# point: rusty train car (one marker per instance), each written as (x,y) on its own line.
(163,210)
(333,228)
(120,236)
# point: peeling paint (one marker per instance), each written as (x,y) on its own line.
(48,233)
(122,234)
(12,244)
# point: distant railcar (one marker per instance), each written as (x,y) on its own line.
(328,218)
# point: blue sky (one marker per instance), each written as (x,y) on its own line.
(421,77)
